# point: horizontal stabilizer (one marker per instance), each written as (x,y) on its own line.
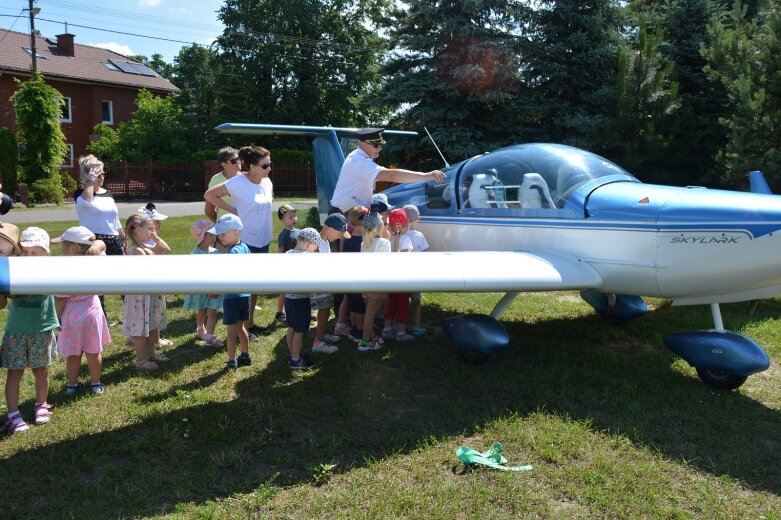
(262,129)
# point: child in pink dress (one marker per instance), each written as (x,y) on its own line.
(84,326)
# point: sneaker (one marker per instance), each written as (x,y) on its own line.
(404,337)
(14,424)
(43,413)
(252,337)
(244,360)
(322,347)
(390,333)
(330,338)
(342,330)
(97,388)
(72,390)
(281,318)
(418,331)
(304,363)
(372,344)
(355,334)
(232,363)
(203,335)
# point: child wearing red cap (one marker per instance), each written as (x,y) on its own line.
(398,303)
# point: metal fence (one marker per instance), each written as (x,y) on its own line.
(149,180)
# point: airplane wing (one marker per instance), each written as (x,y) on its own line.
(488,271)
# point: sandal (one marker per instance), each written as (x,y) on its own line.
(43,413)
(14,424)
(164,343)
(72,390)
(146,365)
(214,342)
(158,358)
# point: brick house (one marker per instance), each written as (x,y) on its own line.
(99,85)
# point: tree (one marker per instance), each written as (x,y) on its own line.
(745,57)
(571,65)
(455,68)
(38,108)
(157,131)
(198,73)
(301,61)
(646,97)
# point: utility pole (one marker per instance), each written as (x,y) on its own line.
(33,12)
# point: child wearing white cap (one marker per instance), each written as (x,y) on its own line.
(297,306)
(419,243)
(29,341)
(204,305)
(84,326)
(235,307)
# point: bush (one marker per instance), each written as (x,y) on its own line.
(68,184)
(47,191)
(313,218)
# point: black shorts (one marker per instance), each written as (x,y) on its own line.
(356,303)
(298,313)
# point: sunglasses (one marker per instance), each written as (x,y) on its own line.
(264,166)
(375,145)
(235,160)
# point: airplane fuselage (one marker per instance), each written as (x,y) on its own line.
(693,245)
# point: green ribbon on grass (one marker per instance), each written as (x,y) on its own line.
(492,458)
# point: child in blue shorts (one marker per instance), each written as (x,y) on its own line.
(235,307)
(297,306)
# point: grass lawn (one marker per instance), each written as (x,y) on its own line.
(614,425)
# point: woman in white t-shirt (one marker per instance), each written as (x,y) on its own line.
(252,194)
(96,208)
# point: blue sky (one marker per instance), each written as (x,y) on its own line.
(147,21)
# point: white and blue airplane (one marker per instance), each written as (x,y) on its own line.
(530,217)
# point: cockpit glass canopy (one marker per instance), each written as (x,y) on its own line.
(535,175)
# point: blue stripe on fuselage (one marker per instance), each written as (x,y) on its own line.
(754,229)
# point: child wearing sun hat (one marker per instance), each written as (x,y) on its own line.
(205,305)
(29,339)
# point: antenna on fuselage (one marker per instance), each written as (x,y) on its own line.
(447,165)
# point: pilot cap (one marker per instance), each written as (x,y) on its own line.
(371,135)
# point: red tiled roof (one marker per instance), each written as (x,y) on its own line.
(86,65)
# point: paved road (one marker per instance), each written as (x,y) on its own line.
(172,209)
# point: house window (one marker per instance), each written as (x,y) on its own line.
(107,109)
(67,161)
(66,111)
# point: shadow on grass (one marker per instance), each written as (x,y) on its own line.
(357,407)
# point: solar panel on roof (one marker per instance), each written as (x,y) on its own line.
(133,68)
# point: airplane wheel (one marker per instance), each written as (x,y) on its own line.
(720,379)
(474,357)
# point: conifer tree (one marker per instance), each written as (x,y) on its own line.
(745,56)
(454,68)
(572,67)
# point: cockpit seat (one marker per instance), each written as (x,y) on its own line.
(486,191)
(533,191)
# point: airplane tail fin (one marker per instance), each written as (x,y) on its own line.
(757,183)
(328,157)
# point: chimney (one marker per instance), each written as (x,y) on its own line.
(65,42)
